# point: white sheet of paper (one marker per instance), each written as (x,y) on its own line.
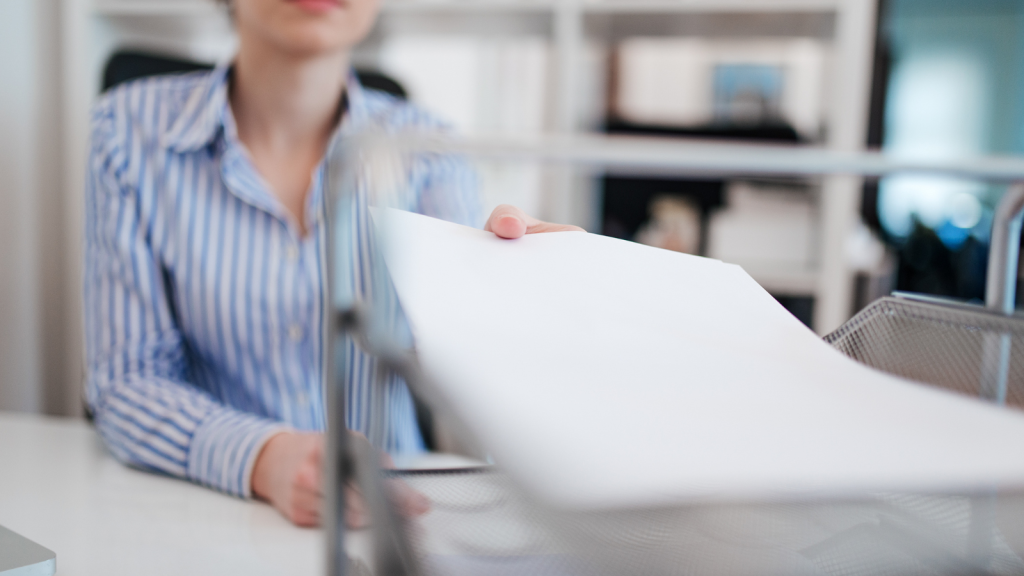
(602,373)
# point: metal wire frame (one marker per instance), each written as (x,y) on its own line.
(617,155)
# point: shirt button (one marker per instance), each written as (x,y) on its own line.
(295,332)
(302,398)
(293,253)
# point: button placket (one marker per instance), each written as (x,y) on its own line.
(293,255)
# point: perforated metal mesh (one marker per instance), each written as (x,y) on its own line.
(958,347)
(480,524)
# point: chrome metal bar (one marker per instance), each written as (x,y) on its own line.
(346,459)
(625,154)
(336,465)
(393,553)
(1001,289)
(1003,256)
(995,370)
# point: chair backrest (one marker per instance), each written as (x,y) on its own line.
(125,65)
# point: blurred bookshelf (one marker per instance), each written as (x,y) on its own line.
(563,51)
(115,7)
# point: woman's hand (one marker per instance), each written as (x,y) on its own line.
(511,222)
(288,474)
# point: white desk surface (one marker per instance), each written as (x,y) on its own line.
(60,488)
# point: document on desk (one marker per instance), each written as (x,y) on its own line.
(601,373)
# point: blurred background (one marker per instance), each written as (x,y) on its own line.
(921,78)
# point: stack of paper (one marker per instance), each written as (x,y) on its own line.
(601,373)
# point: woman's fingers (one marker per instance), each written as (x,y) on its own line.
(309,476)
(304,508)
(287,474)
(510,222)
(542,227)
(290,469)
(356,515)
(409,502)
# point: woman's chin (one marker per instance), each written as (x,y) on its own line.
(315,37)
(306,27)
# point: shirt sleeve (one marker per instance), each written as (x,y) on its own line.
(137,382)
(449,190)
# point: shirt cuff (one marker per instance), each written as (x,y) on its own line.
(224,449)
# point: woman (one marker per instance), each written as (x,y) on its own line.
(203,277)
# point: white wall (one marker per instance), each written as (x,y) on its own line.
(39,363)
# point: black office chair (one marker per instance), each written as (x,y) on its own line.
(126,65)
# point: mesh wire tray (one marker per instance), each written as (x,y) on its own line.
(967,349)
(480,525)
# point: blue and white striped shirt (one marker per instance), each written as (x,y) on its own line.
(203,303)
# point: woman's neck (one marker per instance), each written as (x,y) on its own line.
(283,101)
(286,108)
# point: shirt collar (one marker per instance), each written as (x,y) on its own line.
(358,112)
(203,114)
(206,111)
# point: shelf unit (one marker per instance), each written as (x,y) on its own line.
(119,8)
(198,28)
(164,7)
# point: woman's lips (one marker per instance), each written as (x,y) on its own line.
(317,6)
